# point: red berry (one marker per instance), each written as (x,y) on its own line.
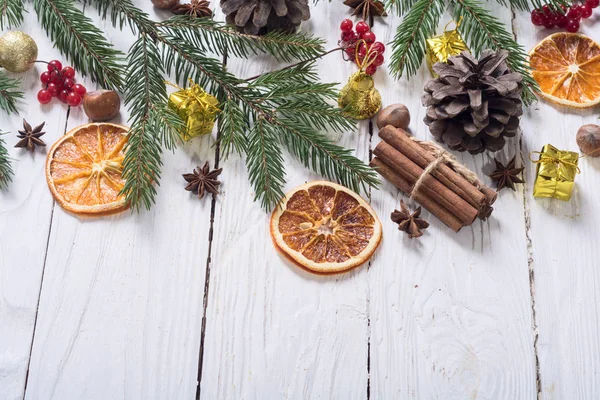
(45,77)
(549,24)
(348,36)
(368,37)
(574,12)
(79,89)
(572,25)
(350,52)
(546,10)
(378,47)
(378,60)
(73,99)
(362,27)
(362,50)
(53,89)
(586,11)
(68,72)
(346,25)
(62,95)
(537,18)
(44,96)
(68,83)
(561,21)
(593,3)
(55,77)
(371,69)
(54,65)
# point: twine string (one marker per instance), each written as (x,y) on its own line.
(546,158)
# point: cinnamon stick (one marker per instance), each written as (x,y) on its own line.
(411,172)
(400,140)
(427,202)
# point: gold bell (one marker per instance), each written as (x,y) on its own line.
(359,98)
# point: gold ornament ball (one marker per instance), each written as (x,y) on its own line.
(18,51)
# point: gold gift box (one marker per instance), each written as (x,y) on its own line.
(440,48)
(196,108)
(555,173)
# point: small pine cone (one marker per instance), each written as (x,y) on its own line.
(474,104)
(258,17)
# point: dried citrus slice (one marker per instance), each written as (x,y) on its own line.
(325,227)
(83,169)
(566,66)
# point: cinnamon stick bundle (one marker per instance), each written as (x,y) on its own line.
(433,178)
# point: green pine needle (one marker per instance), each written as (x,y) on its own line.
(420,23)
(11,13)
(81,41)
(10,93)
(6,171)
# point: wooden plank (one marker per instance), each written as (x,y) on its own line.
(25,215)
(273,330)
(563,245)
(121,303)
(449,313)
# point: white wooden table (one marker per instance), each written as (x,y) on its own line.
(191,300)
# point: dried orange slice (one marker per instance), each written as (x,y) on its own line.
(325,227)
(83,169)
(566,66)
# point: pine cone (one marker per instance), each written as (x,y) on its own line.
(474,104)
(258,17)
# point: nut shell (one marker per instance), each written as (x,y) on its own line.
(165,4)
(396,115)
(588,140)
(101,105)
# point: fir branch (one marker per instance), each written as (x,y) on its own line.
(233,127)
(408,45)
(11,13)
(10,93)
(483,31)
(81,41)
(265,164)
(6,171)
(400,7)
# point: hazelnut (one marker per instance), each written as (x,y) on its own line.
(588,140)
(165,4)
(396,115)
(101,105)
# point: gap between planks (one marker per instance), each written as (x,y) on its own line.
(527,218)
(213,206)
(37,307)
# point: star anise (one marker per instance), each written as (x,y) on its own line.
(30,137)
(506,176)
(203,180)
(409,222)
(367,8)
(194,9)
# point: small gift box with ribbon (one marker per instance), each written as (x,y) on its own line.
(555,173)
(448,44)
(196,108)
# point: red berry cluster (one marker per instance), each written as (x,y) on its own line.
(567,18)
(360,39)
(60,82)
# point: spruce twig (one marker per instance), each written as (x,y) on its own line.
(81,41)
(11,13)
(6,171)
(10,93)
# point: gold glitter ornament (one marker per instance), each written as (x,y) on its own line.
(196,108)
(440,48)
(18,51)
(359,98)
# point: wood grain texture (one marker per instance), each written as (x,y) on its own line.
(121,302)
(449,313)
(563,247)
(25,214)
(274,331)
